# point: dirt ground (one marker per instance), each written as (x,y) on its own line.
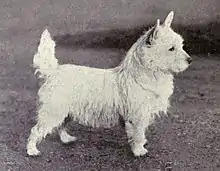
(187,139)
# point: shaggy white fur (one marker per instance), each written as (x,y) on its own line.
(138,89)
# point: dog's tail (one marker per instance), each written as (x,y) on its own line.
(45,60)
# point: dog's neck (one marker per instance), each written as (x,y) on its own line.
(133,67)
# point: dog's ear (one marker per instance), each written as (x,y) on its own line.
(153,34)
(168,19)
(158,23)
(155,30)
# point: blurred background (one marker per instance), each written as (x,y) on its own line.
(195,19)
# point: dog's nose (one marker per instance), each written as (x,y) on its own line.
(189,60)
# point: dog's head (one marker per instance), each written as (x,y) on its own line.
(161,48)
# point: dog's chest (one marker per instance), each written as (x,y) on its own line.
(164,86)
(158,89)
(164,89)
(160,84)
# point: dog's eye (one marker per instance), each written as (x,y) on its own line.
(172,48)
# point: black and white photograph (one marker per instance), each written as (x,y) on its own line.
(117,85)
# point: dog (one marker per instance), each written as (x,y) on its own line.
(138,89)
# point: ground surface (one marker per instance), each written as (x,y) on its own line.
(187,140)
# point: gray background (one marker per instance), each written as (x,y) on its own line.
(97,33)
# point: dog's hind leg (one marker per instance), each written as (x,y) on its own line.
(64,136)
(47,121)
(136,135)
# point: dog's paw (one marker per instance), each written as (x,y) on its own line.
(66,138)
(33,152)
(139,151)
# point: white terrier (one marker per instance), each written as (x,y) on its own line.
(139,88)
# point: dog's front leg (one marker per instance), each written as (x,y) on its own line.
(136,136)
